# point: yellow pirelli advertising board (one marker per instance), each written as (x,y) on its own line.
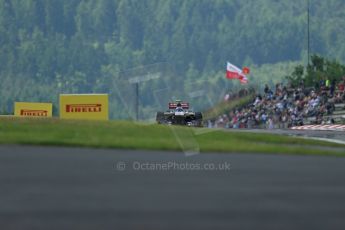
(32,109)
(84,106)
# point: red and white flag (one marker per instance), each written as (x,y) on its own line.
(233,72)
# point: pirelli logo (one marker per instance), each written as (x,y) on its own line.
(83,108)
(33,109)
(33,113)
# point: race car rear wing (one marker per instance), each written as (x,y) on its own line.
(184,105)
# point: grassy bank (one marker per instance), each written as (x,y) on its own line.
(128,135)
(225,106)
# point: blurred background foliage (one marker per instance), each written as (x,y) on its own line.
(86,46)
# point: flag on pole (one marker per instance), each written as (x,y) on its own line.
(233,72)
(245,70)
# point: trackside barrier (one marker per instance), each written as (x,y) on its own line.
(32,109)
(84,106)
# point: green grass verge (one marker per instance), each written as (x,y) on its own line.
(129,135)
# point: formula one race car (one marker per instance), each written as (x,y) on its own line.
(179,114)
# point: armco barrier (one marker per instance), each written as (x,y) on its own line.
(32,109)
(84,106)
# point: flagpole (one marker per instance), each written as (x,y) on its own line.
(308,26)
(137,101)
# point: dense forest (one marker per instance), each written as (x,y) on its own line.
(83,46)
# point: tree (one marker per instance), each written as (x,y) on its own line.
(319,69)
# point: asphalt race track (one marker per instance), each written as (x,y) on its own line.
(333,136)
(73,188)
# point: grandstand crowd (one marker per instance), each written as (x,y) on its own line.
(285,106)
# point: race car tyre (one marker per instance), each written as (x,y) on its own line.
(160,118)
(198,116)
(198,119)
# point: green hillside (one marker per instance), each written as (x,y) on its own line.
(63,46)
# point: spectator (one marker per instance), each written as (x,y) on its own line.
(341,86)
(287,107)
(266,89)
(332,88)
